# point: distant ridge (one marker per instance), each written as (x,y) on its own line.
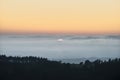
(78,60)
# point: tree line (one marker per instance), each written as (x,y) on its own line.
(36,68)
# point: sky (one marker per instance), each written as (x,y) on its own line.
(60,16)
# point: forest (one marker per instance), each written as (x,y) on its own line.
(37,68)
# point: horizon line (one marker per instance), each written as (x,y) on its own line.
(79,33)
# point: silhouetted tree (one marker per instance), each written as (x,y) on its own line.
(35,68)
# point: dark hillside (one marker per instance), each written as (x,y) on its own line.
(35,68)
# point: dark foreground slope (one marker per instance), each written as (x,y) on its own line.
(34,68)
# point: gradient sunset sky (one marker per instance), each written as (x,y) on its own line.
(60,16)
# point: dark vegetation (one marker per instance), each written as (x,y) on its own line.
(34,68)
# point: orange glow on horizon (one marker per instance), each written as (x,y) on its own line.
(63,16)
